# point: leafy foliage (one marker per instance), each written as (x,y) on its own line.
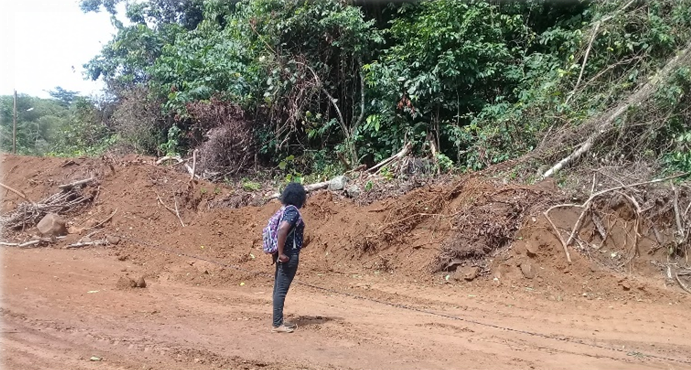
(67,125)
(333,84)
(448,59)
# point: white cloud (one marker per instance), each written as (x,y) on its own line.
(42,41)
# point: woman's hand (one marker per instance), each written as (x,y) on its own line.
(282,258)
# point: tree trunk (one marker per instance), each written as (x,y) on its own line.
(605,121)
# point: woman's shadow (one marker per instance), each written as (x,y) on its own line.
(307,320)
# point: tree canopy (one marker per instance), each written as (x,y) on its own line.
(334,84)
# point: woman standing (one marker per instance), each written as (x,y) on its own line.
(290,238)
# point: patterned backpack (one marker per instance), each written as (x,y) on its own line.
(270,232)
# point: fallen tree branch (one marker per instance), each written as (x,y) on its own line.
(636,226)
(169,158)
(31,242)
(681,284)
(194,164)
(77,183)
(577,226)
(396,157)
(190,170)
(585,60)
(106,220)
(587,204)
(27,214)
(89,235)
(175,211)
(561,239)
(586,207)
(677,215)
(597,221)
(582,149)
(25,244)
(606,121)
(20,193)
(308,188)
(86,244)
(599,193)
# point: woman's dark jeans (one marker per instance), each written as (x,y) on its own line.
(285,272)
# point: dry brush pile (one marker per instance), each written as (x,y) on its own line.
(27,214)
(230,146)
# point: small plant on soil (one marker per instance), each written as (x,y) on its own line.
(387,173)
(369,185)
(249,185)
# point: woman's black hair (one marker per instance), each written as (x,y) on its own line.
(294,195)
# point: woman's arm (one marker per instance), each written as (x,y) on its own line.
(283,230)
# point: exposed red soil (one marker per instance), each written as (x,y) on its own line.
(61,307)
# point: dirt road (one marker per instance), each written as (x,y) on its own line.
(62,307)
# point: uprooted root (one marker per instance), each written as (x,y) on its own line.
(488,224)
(417,207)
(407,214)
(647,211)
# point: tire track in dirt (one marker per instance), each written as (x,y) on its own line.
(583,338)
(525,312)
(179,324)
(51,345)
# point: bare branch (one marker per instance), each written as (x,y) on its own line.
(169,158)
(393,158)
(681,284)
(106,220)
(556,231)
(585,60)
(77,183)
(362,96)
(605,122)
(173,211)
(308,188)
(20,193)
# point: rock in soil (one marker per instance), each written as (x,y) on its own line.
(338,183)
(353,191)
(469,273)
(126,282)
(141,283)
(527,270)
(112,239)
(52,225)
(531,249)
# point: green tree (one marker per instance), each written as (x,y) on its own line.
(65,97)
(447,59)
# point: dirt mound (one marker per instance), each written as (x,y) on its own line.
(490,221)
(468,221)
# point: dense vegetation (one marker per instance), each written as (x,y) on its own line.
(321,86)
(67,124)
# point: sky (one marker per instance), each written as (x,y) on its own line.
(41,41)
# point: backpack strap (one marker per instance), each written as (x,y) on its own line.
(296,224)
(299,214)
